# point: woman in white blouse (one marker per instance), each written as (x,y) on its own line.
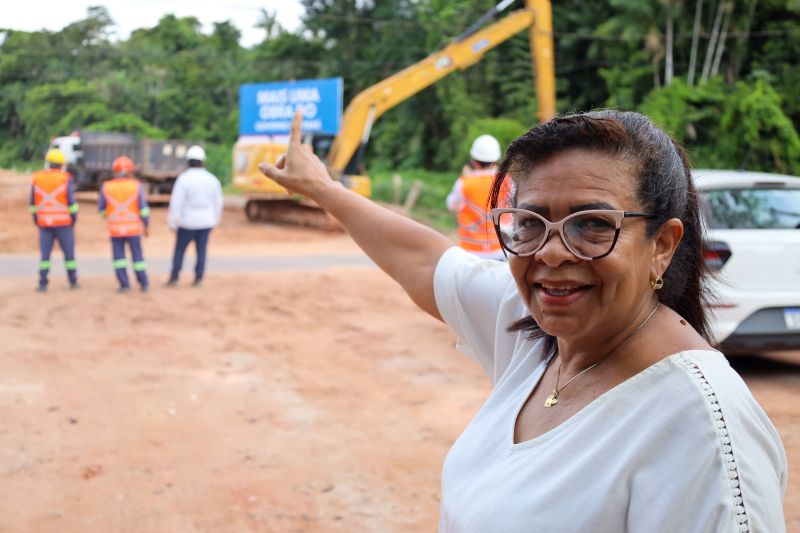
(610,411)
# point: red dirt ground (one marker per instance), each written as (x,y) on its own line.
(314,400)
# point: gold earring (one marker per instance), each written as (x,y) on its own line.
(657,283)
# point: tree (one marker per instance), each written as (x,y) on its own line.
(268,21)
(53,109)
(225,37)
(756,133)
(174,80)
(695,40)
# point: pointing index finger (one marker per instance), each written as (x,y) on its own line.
(296,132)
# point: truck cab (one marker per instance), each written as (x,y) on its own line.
(70,146)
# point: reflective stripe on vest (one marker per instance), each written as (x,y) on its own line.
(122,207)
(50,198)
(475,229)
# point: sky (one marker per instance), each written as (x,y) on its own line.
(128,15)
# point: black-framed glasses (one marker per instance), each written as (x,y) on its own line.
(589,234)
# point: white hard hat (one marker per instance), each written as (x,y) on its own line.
(485,149)
(196,152)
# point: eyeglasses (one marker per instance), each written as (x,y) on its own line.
(589,234)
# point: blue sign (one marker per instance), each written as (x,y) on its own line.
(267,108)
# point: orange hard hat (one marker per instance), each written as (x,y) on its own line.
(122,165)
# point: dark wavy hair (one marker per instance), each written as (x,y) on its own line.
(663,186)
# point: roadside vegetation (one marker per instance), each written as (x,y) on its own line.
(721,75)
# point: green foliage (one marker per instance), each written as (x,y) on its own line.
(779,58)
(287,56)
(757,131)
(739,126)
(515,97)
(626,86)
(226,37)
(690,114)
(461,98)
(172,34)
(504,130)
(219,161)
(127,123)
(173,80)
(47,110)
(430,207)
(396,143)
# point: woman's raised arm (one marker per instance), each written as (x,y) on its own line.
(403,248)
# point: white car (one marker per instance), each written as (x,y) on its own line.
(753,243)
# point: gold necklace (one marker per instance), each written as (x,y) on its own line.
(553,398)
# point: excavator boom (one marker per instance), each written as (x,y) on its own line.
(462,53)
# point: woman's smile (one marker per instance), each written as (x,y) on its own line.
(559,293)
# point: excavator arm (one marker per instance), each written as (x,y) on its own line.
(466,50)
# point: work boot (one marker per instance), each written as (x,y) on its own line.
(41,288)
(171,283)
(197,283)
(74,286)
(144,288)
(123,290)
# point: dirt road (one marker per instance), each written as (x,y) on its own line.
(271,399)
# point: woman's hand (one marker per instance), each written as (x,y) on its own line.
(402,247)
(299,170)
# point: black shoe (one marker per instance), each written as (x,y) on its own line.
(74,286)
(197,283)
(171,283)
(41,288)
(123,290)
(144,288)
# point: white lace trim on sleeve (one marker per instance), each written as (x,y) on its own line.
(725,444)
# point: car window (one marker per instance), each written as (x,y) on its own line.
(754,208)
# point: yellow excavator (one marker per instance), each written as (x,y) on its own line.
(343,152)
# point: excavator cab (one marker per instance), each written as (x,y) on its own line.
(248,153)
(269,202)
(353,176)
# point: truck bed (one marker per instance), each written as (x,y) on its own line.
(158,162)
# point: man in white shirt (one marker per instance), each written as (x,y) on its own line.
(195,207)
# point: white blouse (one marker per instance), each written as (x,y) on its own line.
(680,447)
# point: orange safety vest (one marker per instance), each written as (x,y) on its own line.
(475,229)
(50,198)
(122,207)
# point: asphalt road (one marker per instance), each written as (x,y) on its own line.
(14,265)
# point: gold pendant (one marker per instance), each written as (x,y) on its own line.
(551,400)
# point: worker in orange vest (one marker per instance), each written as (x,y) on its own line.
(124,206)
(52,203)
(469,200)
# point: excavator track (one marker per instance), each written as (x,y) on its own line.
(301,213)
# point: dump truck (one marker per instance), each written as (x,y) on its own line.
(343,153)
(90,154)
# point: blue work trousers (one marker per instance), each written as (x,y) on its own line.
(184,237)
(121,263)
(65,235)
